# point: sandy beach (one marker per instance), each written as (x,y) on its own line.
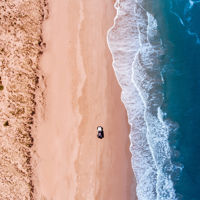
(81,92)
(20,51)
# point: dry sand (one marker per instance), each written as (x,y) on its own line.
(20,50)
(81,93)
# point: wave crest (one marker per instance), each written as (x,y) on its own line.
(136,48)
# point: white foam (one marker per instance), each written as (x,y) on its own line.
(188,17)
(135,46)
(191,3)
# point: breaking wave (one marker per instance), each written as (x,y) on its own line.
(137,50)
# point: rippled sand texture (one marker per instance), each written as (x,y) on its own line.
(20,49)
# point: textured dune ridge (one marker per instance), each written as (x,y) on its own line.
(21,46)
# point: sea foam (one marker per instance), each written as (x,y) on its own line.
(136,48)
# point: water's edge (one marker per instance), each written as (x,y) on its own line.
(136,49)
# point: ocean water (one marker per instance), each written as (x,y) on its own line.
(155,46)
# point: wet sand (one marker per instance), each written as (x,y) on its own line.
(81,92)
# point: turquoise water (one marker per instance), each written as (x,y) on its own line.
(155,47)
(180,30)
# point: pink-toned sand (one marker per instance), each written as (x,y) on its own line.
(81,93)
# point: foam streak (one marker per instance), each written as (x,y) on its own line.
(136,47)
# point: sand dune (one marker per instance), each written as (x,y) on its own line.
(20,49)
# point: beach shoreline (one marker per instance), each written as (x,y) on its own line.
(81,93)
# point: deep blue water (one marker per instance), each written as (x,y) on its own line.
(179,26)
(155,45)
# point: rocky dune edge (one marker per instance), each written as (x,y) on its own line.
(21,46)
